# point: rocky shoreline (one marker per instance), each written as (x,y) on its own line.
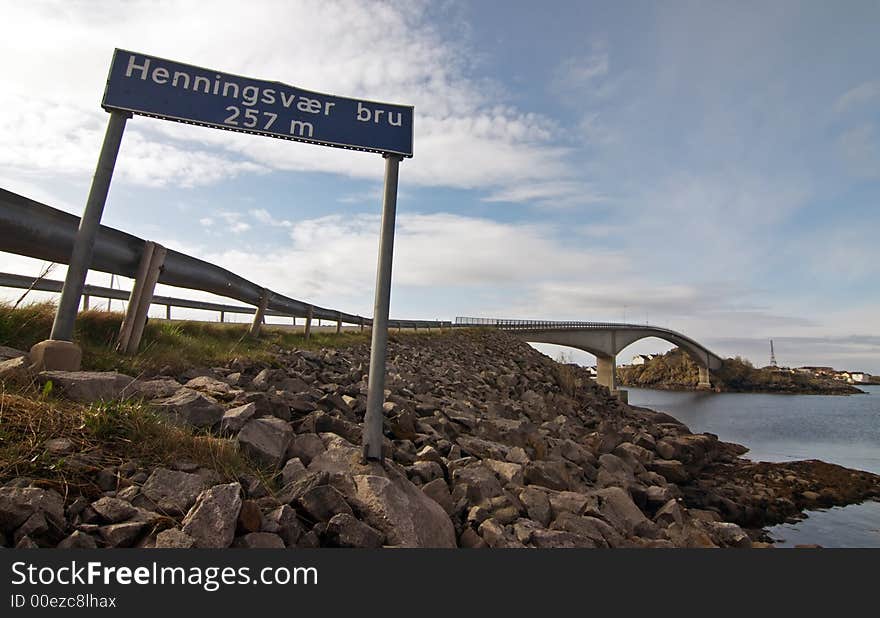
(489,444)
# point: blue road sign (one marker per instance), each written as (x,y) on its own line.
(153,86)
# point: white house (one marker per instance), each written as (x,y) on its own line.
(641,359)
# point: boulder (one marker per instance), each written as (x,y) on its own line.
(508,473)
(537,505)
(212,519)
(293,469)
(344,530)
(172,491)
(208,385)
(671,469)
(266,440)
(122,534)
(550,474)
(259,540)
(17,504)
(235,418)
(670,513)
(284,522)
(87,386)
(323,502)
(438,491)
(250,519)
(477,481)
(78,540)
(114,510)
(306,447)
(159,388)
(16,371)
(174,538)
(618,509)
(191,407)
(7,353)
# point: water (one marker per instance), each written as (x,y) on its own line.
(841,430)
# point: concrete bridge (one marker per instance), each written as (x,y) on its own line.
(605,340)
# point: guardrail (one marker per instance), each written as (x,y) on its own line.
(544,324)
(33,229)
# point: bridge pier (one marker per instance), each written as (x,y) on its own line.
(704,378)
(606,372)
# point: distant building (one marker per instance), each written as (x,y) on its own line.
(819,371)
(641,359)
(592,371)
(859,376)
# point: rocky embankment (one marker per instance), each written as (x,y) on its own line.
(675,370)
(489,443)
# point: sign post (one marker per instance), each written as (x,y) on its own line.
(59,352)
(372,433)
(170,90)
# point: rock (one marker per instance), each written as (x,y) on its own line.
(174,538)
(26,543)
(235,418)
(429,453)
(670,513)
(191,407)
(34,527)
(259,540)
(688,535)
(426,471)
(324,423)
(78,540)
(550,474)
(284,522)
(266,440)
(261,380)
(344,530)
(537,505)
(88,386)
(594,530)
(323,502)
(438,491)
(306,447)
(618,509)
(7,353)
(123,534)
(496,535)
(154,389)
(173,492)
(250,519)
(114,510)
(558,539)
(477,481)
(59,446)
(212,519)
(471,540)
(671,469)
(728,534)
(209,385)
(17,504)
(16,371)
(292,470)
(402,511)
(656,496)
(508,473)
(568,502)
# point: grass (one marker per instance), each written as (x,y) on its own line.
(102,435)
(177,345)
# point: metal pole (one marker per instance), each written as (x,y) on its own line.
(81,257)
(372,436)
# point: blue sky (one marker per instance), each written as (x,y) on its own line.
(711,167)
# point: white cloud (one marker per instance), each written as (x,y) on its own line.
(380,50)
(859,95)
(858,147)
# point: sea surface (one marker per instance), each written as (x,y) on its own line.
(838,429)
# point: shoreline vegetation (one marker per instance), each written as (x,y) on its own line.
(217,439)
(675,370)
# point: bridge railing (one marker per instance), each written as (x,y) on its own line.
(545,324)
(36,230)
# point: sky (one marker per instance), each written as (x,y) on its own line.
(710,167)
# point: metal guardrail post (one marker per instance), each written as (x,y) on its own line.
(135,320)
(167,312)
(260,315)
(309,315)
(338,323)
(85,302)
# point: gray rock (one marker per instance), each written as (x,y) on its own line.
(235,418)
(34,527)
(17,504)
(619,510)
(173,492)
(174,538)
(191,407)
(669,513)
(323,502)
(671,469)
(87,386)
(123,534)
(6,353)
(16,371)
(208,385)
(293,470)
(266,440)
(78,540)
(537,505)
(438,491)
(59,446)
(728,534)
(154,389)
(114,510)
(508,473)
(306,447)
(550,474)
(284,522)
(344,530)
(211,521)
(259,540)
